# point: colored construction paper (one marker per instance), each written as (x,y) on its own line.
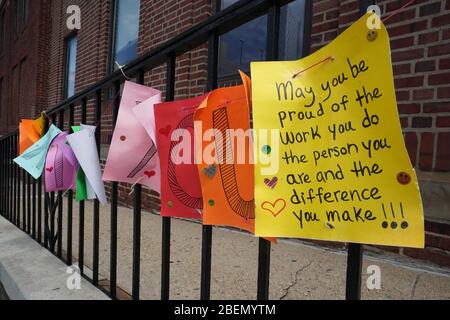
(132,156)
(84,147)
(145,114)
(33,159)
(227,186)
(84,190)
(30,131)
(61,165)
(181,194)
(336,167)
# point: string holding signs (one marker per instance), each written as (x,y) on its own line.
(332,161)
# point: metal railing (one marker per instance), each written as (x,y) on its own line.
(21,197)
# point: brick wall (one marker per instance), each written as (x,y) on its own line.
(420,43)
(23,49)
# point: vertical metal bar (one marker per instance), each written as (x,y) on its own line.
(166,221)
(354,252)
(114,195)
(39,211)
(7,156)
(24,207)
(70,200)
(10,213)
(2,177)
(273,29)
(205,280)
(39,200)
(46,217)
(14,182)
(354,267)
(81,205)
(263,269)
(18,184)
(136,277)
(60,197)
(7,211)
(34,208)
(96,228)
(28,199)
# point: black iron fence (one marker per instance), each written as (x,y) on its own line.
(23,202)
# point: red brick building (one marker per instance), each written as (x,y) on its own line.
(42,62)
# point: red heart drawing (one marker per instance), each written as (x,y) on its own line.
(49,169)
(165,131)
(274,208)
(149,174)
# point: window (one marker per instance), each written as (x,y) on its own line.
(22,12)
(248,42)
(26,9)
(71,66)
(125,32)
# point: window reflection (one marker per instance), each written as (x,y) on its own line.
(71,66)
(242,45)
(247,43)
(126,31)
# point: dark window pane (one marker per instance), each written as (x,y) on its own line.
(291,30)
(71,66)
(26,9)
(18,15)
(226,3)
(241,46)
(126,31)
(248,42)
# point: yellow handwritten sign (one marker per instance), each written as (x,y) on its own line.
(331,163)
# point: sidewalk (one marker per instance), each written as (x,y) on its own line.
(298,270)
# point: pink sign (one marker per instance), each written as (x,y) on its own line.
(132,155)
(61,165)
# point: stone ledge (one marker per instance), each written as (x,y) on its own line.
(30,272)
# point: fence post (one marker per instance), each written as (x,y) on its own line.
(137,211)
(114,194)
(166,221)
(96,228)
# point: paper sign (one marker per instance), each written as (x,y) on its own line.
(181,194)
(338,168)
(131,156)
(85,149)
(145,114)
(60,165)
(33,159)
(30,131)
(227,186)
(84,190)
